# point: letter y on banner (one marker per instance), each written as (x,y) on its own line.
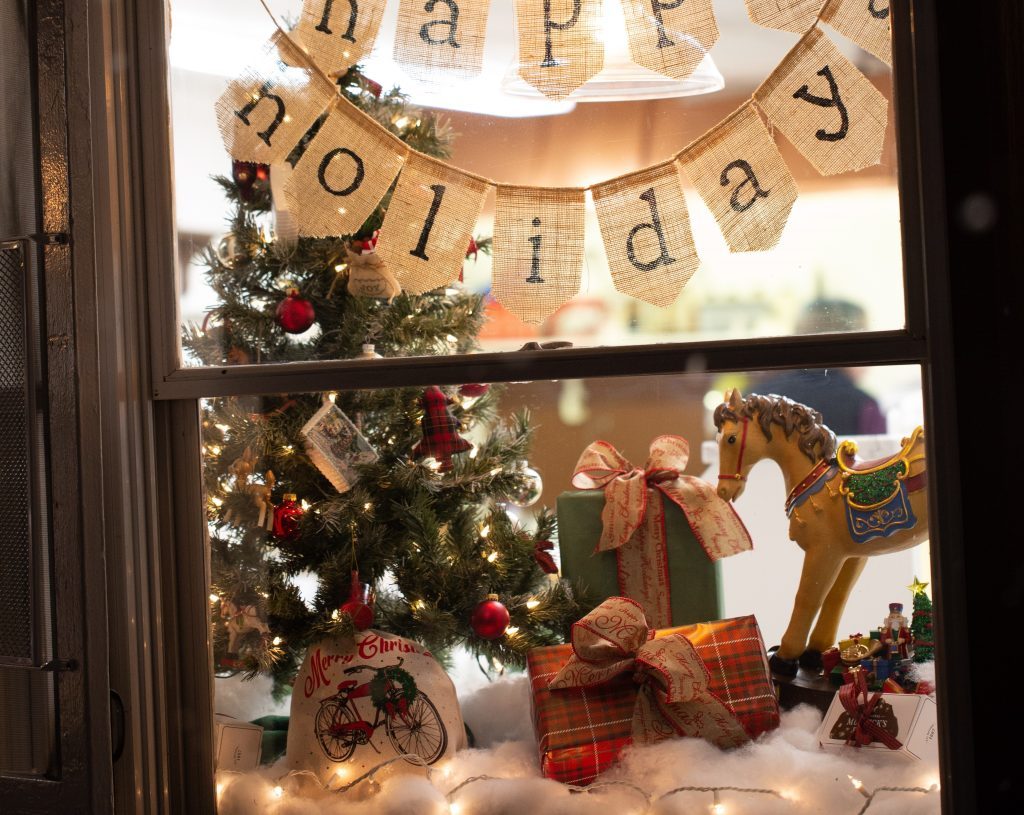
(646,231)
(559,48)
(429,223)
(742,177)
(830,111)
(343,173)
(337,33)
(538,249)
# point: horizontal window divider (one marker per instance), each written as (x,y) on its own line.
(810,351)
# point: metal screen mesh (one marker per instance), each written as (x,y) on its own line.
(15,472)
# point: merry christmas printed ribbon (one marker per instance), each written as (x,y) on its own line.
(854,698)
(634,525)
(673,698)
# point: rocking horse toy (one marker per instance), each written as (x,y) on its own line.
(841,511)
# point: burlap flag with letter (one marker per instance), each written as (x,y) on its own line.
(538,249)
(742,177)
(830,111)
(646,232)
(559,45)
(787,15)
(429,223)
(337,33)
(670,37)
(343,173)
(438,39)
(264,112)
(866,22)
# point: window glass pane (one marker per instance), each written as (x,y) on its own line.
(431,542)
(837,265)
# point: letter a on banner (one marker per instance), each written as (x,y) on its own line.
(343,174)
(670,37)
(337,33)
(443,37)
(786,15)
(646,232)
(429,223)
(559,48)
(264,112)
(866,22)
(833,115)
(538,249)
(742,177)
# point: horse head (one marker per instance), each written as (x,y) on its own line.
(740,445)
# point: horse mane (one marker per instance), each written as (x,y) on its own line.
(815,440)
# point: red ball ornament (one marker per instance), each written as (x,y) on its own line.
(295,313)
(359,605)
(251,178)
(490,618)
(287,517)
(473,390)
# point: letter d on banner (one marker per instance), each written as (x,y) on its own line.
(538,249)
(645,227)
(429,223)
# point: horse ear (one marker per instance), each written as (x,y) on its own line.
(735,398)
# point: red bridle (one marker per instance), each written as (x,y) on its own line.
(738,475)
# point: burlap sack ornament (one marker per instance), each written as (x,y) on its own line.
(359,702)
(368,276)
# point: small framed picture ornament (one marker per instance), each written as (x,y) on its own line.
(336,446)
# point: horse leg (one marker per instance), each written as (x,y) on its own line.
(821,567)
(824,635)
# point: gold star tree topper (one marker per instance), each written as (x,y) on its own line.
(917,587)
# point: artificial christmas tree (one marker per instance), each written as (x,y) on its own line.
(921,624)
(433,541)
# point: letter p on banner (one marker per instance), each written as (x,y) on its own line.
(429,223)
(742,177)
(645,227)
(670,37)
(559,49)
(827,108)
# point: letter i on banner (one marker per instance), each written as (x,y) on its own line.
(538,249)
(429,223)
(645,227)
(786,15)
(437,39)
(670,37)
(830,111)
(343,173)
(264,112)
(337,33)
(559,49)
(742,177)
(866,22)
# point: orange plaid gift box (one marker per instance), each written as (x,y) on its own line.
(619,682)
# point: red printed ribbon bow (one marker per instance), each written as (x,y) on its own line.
(673,697)
(635,528)
(860,710)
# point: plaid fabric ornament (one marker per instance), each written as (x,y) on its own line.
(441,437)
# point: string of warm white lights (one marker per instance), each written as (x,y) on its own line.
(651,800)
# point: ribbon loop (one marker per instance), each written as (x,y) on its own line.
(855,700)
(673,695)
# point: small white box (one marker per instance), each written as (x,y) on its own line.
(911,718)
(236,744)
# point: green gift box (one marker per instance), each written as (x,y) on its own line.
(693,578)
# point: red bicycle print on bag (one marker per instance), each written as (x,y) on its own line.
(410,719)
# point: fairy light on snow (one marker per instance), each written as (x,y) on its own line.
(859,786)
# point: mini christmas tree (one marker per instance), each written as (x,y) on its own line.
(921,624)
(292,504)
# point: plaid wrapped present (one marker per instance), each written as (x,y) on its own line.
(441,437)
(587,704)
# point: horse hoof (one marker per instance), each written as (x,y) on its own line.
(811,660)
(783,667)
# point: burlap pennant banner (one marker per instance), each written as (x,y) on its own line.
(264,112)
(786,15)
(742,177)
(538,249)
(559,45)
(866,22)
(440,39)
(343,173)
(827,108)
(337,33)
(645,227)
(429,223)
(670,37)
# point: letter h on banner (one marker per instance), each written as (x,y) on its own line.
(337,33)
